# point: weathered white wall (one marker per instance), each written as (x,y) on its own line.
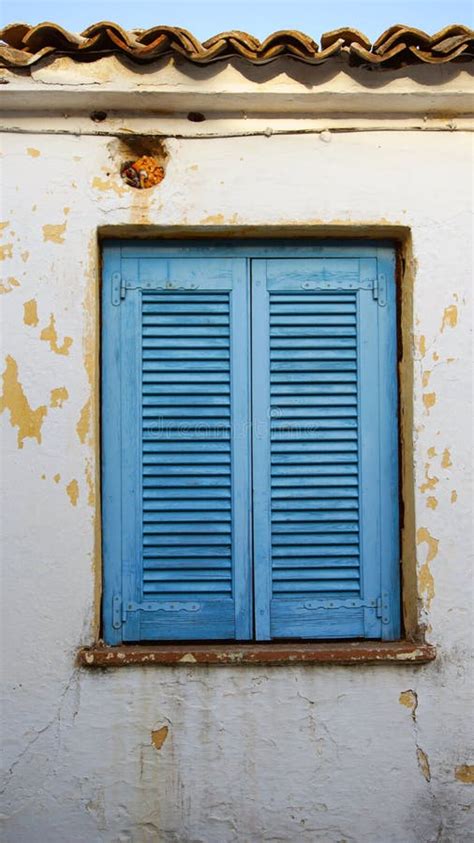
(282,754)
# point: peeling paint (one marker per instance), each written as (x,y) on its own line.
(429,400)
(13,398)
(105,185)
(24,256)
(8,285)
(431,502)
(84,423)
(446,459)
(423,763)
(90,483)
(30,313)
(6,251)
(158,736)
(32,152)
(49,334)
(465,773)
(57,478)
(454,496)
(450,317)
(431,452)
(410,700)
(54,233)
(58,396)
(430,482)
(425,379)
(425,578)
(72,490)
(3,226)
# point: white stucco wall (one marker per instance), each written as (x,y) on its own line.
(273,754)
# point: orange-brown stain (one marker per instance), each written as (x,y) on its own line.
(13,398)
(58,396)
(158,736)
(30,312)
(8,285)
(72,490)
(429,400)
(49,334)
(454,496)
(465,773)
(54,233)
(431,502)
(450,317)
(34,153)
(446,459)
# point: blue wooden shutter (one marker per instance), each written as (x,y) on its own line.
(176,452)
(325,448)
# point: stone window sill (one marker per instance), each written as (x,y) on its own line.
(322,653)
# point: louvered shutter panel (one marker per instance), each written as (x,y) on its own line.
(325,450)
(180,336)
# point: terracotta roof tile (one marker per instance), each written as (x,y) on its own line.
(22,45)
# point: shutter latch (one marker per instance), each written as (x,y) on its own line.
(118,288)
(383,610)
(379,290)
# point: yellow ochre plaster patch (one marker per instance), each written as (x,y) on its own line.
(8,285)
(430,482)
(34,153)
(432,502)
(410,700)
(3,226)
(59,396)
(422,345)
(49,334)
(22,416)
(72,490)
(431,452)
(54,233)
(425,378)
(446,459)
(90,483)
(84,423)
(158,736)
(450,317)
(465,773)
(57,478)
(454,496)
(30,313)
(24,256)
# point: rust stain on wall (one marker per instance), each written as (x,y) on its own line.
(58,396)
(446,459)
(30,312)
(54,233)
(13,398)
(72,490)
(8,285)
(465,773)
(34,153)
(423,763)
(158,736)
(450,317)
(49,334)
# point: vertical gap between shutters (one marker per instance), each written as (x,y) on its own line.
(252,509)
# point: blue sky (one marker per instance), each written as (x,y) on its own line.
(259,17)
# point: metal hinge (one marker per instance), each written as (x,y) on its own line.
(117,619)
(383,610)
(379,291)
(158,606)
(118,288)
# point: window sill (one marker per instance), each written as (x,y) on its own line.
(324,653)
